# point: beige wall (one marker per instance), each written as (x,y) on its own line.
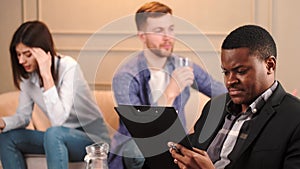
(286,28)
(10,17)
(101,34)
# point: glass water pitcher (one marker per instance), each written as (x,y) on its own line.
(96,157)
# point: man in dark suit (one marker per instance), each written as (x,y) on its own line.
(256,125)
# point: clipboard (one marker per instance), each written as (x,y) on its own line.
(152,127)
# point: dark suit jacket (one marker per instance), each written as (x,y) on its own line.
(274,140)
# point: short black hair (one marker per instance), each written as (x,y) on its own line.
(255,38)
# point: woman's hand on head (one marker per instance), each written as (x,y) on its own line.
(43,60)
(44,63)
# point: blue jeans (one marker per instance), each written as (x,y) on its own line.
(60,144)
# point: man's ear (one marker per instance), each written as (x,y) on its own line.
(271,64)
(141,35)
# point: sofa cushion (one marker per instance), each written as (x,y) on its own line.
(104,99)
(106,103)
(34,161)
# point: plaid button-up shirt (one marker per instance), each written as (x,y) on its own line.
(235,130)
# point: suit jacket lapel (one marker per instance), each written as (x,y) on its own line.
(264,116)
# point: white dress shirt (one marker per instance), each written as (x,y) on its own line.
(68,104)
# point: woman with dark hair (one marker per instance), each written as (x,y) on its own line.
(56,84)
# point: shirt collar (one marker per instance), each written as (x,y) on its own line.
(34,78)
(258,103)
(142,63)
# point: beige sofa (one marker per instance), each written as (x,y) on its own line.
(105,101)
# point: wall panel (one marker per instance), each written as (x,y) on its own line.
(10,16)
(101,34)
(95,29)
(105,29)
